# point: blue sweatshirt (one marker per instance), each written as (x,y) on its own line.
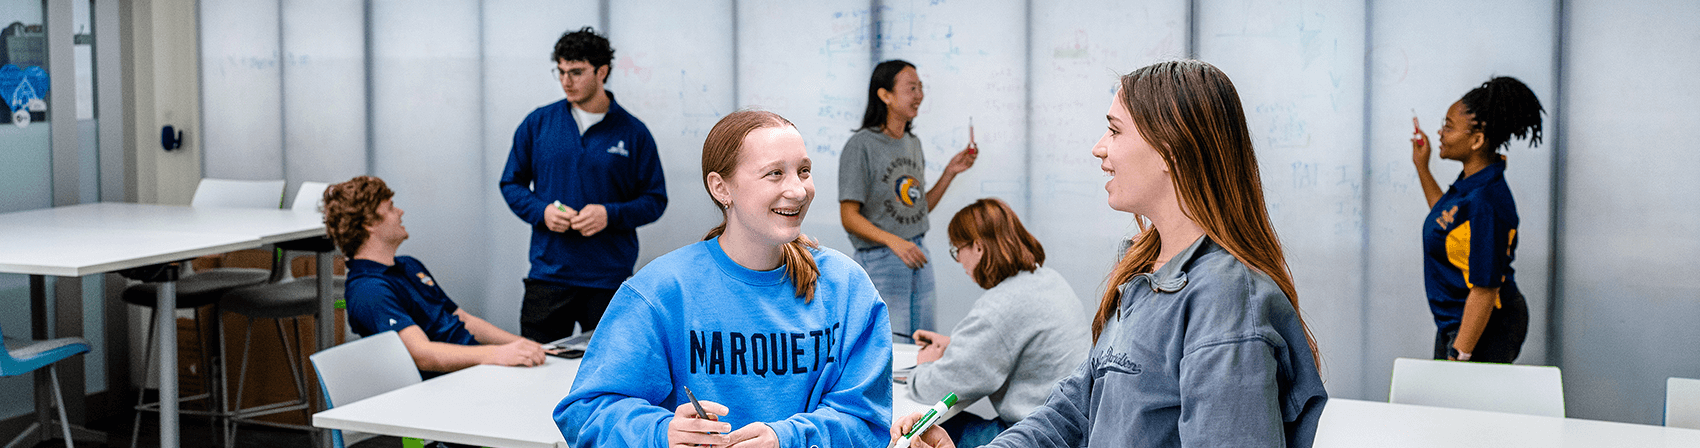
(613,164)
(818,373)
(1203,352)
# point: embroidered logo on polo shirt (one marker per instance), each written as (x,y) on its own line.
(392,321)
(1445,219)
(619,149)
(426,280)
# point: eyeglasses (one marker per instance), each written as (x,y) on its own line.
(954,250)
(572,75)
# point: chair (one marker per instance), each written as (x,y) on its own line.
(1533,390)
(231,193)
(282,298)
(362,369)
(19,356)
(307,198)
(1682,403)
(203,288)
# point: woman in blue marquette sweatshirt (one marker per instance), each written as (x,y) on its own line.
(785,343)
(1200,341)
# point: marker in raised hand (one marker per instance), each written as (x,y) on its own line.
(1417,129)
(972,147)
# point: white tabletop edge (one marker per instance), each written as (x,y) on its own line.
(330,419)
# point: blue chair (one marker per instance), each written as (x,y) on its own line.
(20,356)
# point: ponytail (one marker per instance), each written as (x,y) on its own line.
(1504,108)
(799,263)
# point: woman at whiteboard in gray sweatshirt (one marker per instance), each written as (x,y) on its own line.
(1026,332)
(1199,342)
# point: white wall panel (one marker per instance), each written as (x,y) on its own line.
(1629,239)
(1298,67)
(324,91)
(241,85)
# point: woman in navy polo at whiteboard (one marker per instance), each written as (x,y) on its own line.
(1470,235)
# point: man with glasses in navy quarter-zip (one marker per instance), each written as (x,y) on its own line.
(585,174)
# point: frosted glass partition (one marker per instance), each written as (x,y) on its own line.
(324,91)
(674,71)
(519,37)
(242,84)
(1328,88)
(1298,68)
(1078,52)
(972,60)
(1629,242)
(426,133)
(820,84)
(1415,64)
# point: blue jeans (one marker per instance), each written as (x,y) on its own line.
(969,430)
(908,293)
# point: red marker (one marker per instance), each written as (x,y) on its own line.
(1417,129)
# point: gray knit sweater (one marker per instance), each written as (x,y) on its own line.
(1021,337)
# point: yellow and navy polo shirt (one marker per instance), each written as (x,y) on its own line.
(1469,240)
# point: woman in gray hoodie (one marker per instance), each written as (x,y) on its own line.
(1026,332)
(1200,343)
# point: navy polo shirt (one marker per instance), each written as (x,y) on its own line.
(383,298)
(1469,240)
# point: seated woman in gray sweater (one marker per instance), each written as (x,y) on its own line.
(1026,332)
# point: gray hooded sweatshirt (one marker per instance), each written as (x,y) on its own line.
(1203,352)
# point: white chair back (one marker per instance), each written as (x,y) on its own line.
(360,369)
(230,193)
(1532,390)
(1682,403)
(307,198)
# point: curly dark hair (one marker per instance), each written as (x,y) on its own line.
(349,207)
(584,45)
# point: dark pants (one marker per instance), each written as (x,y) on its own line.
(550,310)
(969,430)
(1502,340)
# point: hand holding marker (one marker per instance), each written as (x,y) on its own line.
(928,420)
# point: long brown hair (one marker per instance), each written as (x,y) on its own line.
(1191,114)
(720,153)
(1005,245)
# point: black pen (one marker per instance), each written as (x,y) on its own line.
(698,405)
(923,341)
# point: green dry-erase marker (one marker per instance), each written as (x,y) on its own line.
(927,420)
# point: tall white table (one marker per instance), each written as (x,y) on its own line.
(1357,423)
(88,239)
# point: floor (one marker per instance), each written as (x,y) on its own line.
(199,432)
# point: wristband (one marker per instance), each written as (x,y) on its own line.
(1458,355)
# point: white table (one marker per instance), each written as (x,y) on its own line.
(1356,423)
(510,407)
(507,407)
(87,239)
(903,355)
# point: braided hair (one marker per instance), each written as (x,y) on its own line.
(1503,108)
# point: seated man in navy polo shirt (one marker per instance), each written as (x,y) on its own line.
(388,292)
